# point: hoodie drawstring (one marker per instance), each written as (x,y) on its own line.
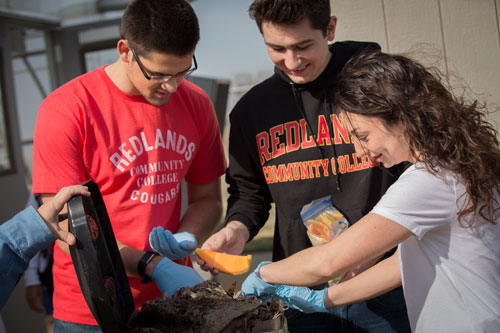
(328,112)
(300,105)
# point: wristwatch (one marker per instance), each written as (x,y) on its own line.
(141,266)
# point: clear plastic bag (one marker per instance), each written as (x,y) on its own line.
(323,222)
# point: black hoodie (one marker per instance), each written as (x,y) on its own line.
(271,159)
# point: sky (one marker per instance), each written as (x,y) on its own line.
(230,42)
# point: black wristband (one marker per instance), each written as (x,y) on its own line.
(141,266)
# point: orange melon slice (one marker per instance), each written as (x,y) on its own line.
(329,218)
(325,219)
(319,230)
(316,240)
(336,216)
(226,263)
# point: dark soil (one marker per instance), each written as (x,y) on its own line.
(205,308)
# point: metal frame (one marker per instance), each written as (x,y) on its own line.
(7,122)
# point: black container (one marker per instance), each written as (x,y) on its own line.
(98,263)
(101,273)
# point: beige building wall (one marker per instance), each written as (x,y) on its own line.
(461,37)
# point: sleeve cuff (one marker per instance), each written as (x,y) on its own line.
(29,232)
(252,230)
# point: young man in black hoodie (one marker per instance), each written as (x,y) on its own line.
(287,146)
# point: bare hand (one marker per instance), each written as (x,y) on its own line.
(230,239)
(34,297)
(50,210)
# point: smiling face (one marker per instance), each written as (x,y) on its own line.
(299,50)
(381,143)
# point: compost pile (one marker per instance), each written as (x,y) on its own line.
(205,308)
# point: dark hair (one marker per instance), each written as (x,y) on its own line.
(167,26)
(445,131)
(289,12)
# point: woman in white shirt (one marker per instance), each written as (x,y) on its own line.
(443,211)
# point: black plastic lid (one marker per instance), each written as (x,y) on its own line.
(97,262)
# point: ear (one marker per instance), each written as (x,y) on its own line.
(330,29)
(124,50)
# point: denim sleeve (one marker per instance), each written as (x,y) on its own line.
(20,239)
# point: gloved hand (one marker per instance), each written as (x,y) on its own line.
(254,285)
(173,246)
(302,298)
(170,276)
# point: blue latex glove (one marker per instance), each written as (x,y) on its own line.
(254,285)
(170,276)
(302,298)
(172,246)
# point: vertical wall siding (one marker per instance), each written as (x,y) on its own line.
(461,37)
(497,6)
(360,20)
(415,26)
(472,45)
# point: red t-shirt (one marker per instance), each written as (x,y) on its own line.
(136,152)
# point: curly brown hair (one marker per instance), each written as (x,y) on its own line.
(444,131)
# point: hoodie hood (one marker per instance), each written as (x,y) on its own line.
(321,89)
(341,53)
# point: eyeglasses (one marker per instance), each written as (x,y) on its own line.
(166,77)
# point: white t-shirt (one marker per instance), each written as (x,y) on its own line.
(450,273)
